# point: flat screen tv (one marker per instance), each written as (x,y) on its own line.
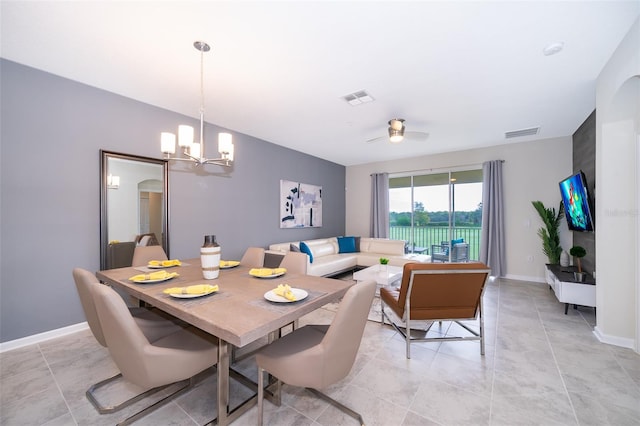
(576,201)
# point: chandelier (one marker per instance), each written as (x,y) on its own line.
(194,151)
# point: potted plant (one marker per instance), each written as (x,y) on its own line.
(383,264)
(549,233)
(578,252)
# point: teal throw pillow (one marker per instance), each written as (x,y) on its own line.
(305,249)
(458,241)
(346,244)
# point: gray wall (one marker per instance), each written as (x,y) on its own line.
(52,131)
(584,158)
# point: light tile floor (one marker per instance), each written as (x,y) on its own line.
(541,368)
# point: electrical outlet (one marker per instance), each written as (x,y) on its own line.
(530,259)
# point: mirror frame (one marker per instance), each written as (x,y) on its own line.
(104,208)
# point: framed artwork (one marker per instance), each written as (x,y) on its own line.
(300,205)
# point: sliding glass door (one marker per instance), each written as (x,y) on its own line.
(431,210)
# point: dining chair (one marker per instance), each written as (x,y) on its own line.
(153,323)
(437,292)
(153,366)
(317,356)
(295,262)
(253,257)
(143,254)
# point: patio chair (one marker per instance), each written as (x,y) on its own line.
(436,293)
(441,252)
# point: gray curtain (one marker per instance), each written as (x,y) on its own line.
(492,250)
(379,205)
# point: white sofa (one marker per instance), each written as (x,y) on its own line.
(328,260)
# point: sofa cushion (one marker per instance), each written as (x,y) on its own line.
(321,249)
(304,248)
(346,244)
(382,246)
(294,248)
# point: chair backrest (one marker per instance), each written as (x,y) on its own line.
(253,257)
(442,290)
(295,262)
(143,254)
(460,252)
(125,340)
(85,281)
(342,340)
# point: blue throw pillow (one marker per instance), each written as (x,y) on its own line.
(458,241)
(346,244)
(305,249)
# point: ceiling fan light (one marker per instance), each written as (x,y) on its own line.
(395,136)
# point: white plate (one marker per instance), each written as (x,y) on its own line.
(229,266)
(191,296)
(161,267)
(279,274)
(299,294)
(159,280)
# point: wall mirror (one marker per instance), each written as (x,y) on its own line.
(134,206)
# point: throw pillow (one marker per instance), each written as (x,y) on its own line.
(304,248)
(294,248)
(346,244)
(458,241)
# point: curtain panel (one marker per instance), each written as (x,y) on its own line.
(379,224)
(492,250)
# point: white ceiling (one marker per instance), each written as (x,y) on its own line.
(465,72)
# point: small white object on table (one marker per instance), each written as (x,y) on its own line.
(384,275)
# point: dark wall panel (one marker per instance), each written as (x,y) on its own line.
(584,158)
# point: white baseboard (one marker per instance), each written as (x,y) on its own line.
(42,337)
(525,278)
(613,340)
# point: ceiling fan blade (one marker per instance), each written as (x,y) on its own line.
(416,136)
(381,138)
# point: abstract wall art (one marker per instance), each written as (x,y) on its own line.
(300,205)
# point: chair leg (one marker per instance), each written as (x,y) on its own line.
(338,405)
(113,408)
(140,414)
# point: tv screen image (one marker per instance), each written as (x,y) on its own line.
(575,198)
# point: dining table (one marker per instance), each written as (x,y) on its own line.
(238,314)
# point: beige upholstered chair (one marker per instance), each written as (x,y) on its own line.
(296,263)
(253,257)
(174,358)
(317,356)
(437,292)
(154,325)
(143,254)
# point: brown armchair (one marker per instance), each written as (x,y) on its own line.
(437,292)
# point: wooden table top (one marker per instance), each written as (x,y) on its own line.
(238,313)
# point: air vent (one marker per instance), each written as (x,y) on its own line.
(522,132)
(358,98)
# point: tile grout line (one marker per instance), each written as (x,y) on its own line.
(555,362)
(495,347)
(55,381)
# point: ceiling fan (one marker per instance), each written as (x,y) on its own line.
(397,133)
